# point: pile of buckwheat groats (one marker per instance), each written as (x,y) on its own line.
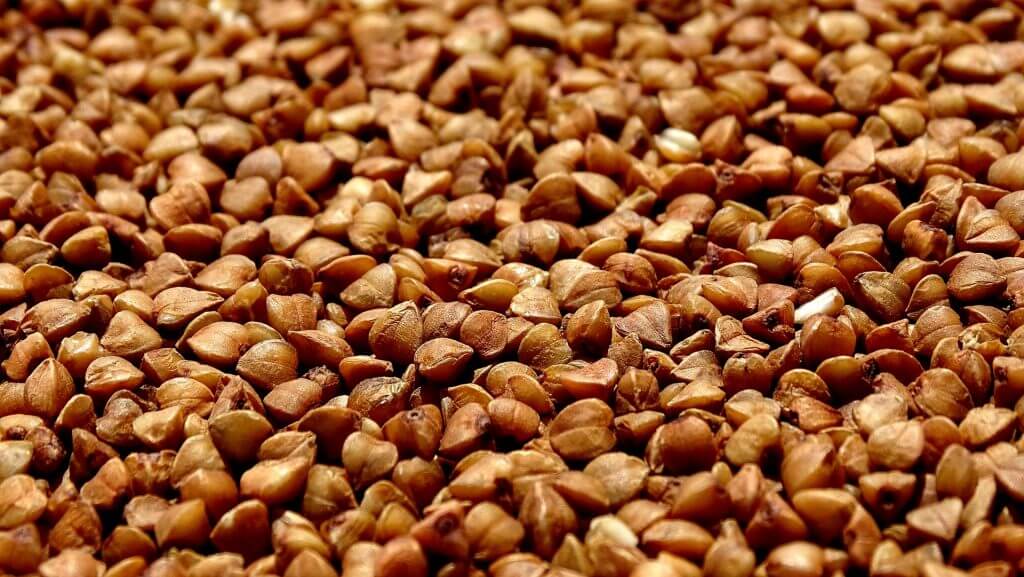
(533,288)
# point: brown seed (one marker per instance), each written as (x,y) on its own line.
(244,529)
(684,445)
(310,163)
(881,294)
(275,481)
(976,278)
(367,459)
(698,498)
(1004,172)
(824,337)
(21,548)
(238,434)
(290,400)
(176,306)
(328,492)
(589,329)
(896,445)
(78,526)
(21,502)
(291,313)
(24,356)
(417,431)
(513,419)
(184,524)
(595,380)
(750,442)
(48,389)
(89,248)
(986,425)
(810,464)
(491,531)
(543,346)
(442,360)
(576,283)
(160,429)
(651,323)
(486,332)
(940,392)
(129,336)
(465,431)
(937,521)
(345,529)
(955,474)
(379,398)
(220,343)
(547,519)
(774,523)
(320,347)
(55,319)
(678,537)
(582,430)
(397,334)
(798,559)
(12,284)
(269,363)
(402,556)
